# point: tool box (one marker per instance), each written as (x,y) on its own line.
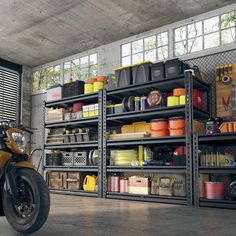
(73,88)
(175,68)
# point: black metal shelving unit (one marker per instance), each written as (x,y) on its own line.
(166,85)
(216,141)
(84,122)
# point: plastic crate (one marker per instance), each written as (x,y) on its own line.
(73,88)
(141,72)
(80,158)
(123,76)
(158,71)
(68,158)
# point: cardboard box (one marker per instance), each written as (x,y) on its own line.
(56,115)
(198,127)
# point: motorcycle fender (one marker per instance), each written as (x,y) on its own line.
(25,164)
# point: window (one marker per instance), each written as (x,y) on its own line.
(46,78)
(209,33)
(81,68)
(153,48)
(9,94)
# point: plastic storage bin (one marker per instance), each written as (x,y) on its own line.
(214,190)
(73,88)
(141,72)
(123,77)
(174,68)
(158,71)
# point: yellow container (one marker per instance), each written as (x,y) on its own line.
(172,101)
(96,109)
(89,183)
(85,111)
(98,86)
(88,88)
(182,100)
(91,110)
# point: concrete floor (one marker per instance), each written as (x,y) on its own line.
(71,215)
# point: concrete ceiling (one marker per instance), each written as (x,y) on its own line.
(36,32)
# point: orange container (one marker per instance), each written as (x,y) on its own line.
(102,78)
(178,92)
(177,126)
(160,133)
(159,124)
(92,80)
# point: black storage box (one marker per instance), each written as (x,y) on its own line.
(141,73)
(179,161)
(111,82)
(123,76)
(73,88)
(174,68)
(54,159)
(158,71)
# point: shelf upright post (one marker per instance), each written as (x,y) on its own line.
(102,143)
(196,169)
(189,134)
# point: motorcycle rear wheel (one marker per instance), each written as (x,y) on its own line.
(31,212)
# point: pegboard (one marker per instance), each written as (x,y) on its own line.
(207,65)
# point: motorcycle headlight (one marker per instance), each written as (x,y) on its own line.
(17,141)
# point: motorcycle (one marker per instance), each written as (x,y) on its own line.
(24,195)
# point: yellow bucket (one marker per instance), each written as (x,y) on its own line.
(172,101)
(182,100)
(88,88)
(98,86)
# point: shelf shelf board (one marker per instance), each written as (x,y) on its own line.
(71,145)
(148,198)
(221,138)
(159,112)
(164,85)
(72,168)
(217,203)
(76,193)
(147,169)
(64,102)
(150,141)
(82,123)
(217,170)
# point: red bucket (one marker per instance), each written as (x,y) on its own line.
(214,190)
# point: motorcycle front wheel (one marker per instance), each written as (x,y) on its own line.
(31,211)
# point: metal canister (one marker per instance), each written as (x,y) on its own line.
(143,103)
(137,103)
(115,183)
(124,185)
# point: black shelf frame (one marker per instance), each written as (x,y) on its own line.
(84,122)
(221,139)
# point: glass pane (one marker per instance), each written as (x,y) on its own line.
(84,61)
(162,39)
(126,61)
(195,29)
(211,25)
(212,40)
(93,71)
(180,48)
(57,74)
(93,59)
(49,75)
(194,44)
(180,34)
(227,20)
(42,81)
(36,76)
(84,73)
(162,53)
(67,72)
(126,49)
(150,42)
(75,69)
(137,46)
(137,58)
(151,55)
(228,36)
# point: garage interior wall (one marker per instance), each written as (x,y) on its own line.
(109,57)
